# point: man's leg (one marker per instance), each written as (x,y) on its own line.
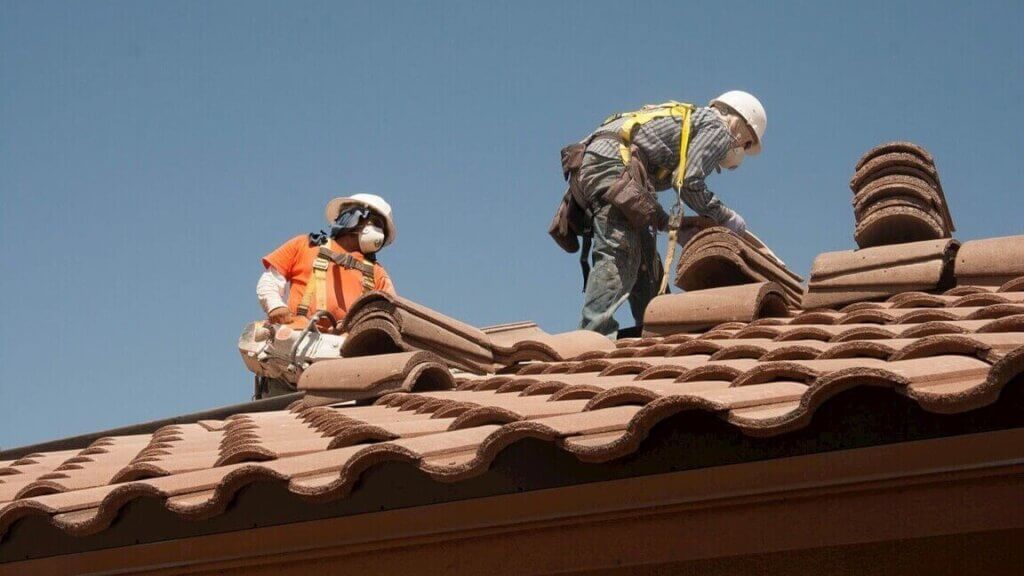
(616,254)
(648,279)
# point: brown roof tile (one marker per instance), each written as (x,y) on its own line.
(703,309)
(991,261)
(894,187)
(363,377)
(536,345)
(884,164)
(896,221)
(899,147)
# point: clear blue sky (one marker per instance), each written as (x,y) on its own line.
(152,152)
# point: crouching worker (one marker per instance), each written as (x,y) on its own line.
(329,272)
(323,274)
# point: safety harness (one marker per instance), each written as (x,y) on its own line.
(624,136)
(325,256)
(640,117)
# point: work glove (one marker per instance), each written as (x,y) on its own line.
(280,315)
(735,222)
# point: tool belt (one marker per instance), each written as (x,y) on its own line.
(633,194)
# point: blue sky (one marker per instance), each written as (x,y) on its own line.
(152,152)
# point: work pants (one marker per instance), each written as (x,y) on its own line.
(626,264)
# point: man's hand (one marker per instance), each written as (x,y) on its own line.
(280,315)
(736,223)
(661,220)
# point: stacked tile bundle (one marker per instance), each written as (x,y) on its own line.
(380,323)
(841,278)
(898,198)
(715,257)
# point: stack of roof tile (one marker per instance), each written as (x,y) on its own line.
(898,198)
(948,352)
(380,323)
(839,278)
(716,257)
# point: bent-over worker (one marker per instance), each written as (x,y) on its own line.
(329,272)
(614,175)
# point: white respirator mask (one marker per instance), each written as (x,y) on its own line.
(371,239)
(733,158)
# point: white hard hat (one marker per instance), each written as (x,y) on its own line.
(371,201)
(750,108)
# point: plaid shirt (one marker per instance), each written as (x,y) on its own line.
(710,140)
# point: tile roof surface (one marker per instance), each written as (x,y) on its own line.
(950,352)
(447,397)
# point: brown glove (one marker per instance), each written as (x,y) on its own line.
(280,315)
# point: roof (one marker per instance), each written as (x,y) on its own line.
(930,323)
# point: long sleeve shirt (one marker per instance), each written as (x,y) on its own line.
(270,289)
(658,139)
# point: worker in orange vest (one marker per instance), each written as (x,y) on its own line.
(328,272)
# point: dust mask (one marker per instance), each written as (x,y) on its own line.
(733,158)
(371,239)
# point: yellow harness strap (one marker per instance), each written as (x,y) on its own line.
(369,282)
(317,284)
(672,108)
(677,211)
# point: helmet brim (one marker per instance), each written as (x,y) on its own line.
(335,206)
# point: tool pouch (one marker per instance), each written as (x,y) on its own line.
(567,224)
(570,219)
(633,194)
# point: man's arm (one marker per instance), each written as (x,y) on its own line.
(271,285)
(270,289)
(707,148)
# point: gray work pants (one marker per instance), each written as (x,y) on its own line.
(626,264)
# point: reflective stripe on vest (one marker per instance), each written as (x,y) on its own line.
(651,112)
